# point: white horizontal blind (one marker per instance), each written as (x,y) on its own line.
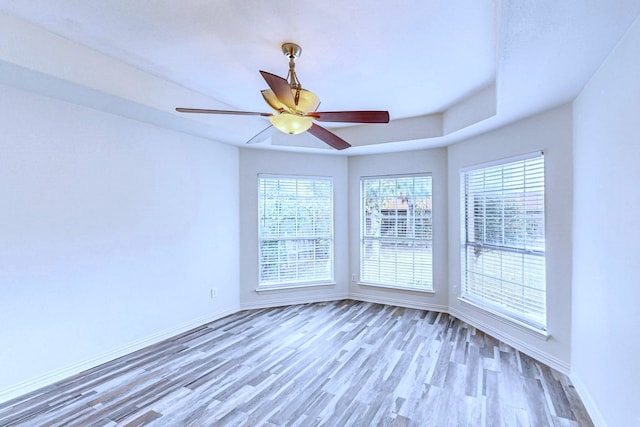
(396,231)
(503,259)
(295,230)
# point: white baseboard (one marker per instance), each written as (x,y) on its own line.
(278,302)
(587,400)
(547,359)
(49,378)
(400,302)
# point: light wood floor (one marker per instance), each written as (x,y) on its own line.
(342,363)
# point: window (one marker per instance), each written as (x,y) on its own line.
(396,231)
(503,240)
(295,230)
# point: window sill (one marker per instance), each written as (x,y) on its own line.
(397,288)
(271,288)
(531,330)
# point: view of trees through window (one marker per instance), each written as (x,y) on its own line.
(504,240)
(295,229)
(396,231)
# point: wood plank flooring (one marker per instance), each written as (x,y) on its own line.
(343,363)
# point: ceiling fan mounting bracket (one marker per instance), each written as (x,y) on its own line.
(291,50)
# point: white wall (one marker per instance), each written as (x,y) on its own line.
(606,229)
(549,132)
(112,233)
(434,161)
(254,162)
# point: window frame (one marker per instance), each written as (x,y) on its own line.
(365,277)
(328,279)
(536,323)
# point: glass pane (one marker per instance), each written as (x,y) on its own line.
(396,231)
(294,212)
(503,222)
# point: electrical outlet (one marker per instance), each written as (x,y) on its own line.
(353,277)
(214,293)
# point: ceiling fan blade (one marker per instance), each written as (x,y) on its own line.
(328,137)
(351,116)
(281,88)
(237,113)
(262,135)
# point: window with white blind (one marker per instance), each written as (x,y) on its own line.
(295,230)
(396,231)
(503,238)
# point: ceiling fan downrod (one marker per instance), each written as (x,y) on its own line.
(293,52)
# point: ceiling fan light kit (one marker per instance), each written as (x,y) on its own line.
(294,108)
(292,124)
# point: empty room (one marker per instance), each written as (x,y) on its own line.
(243,213)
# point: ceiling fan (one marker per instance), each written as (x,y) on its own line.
(294,108)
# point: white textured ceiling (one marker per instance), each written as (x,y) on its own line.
(444,69)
